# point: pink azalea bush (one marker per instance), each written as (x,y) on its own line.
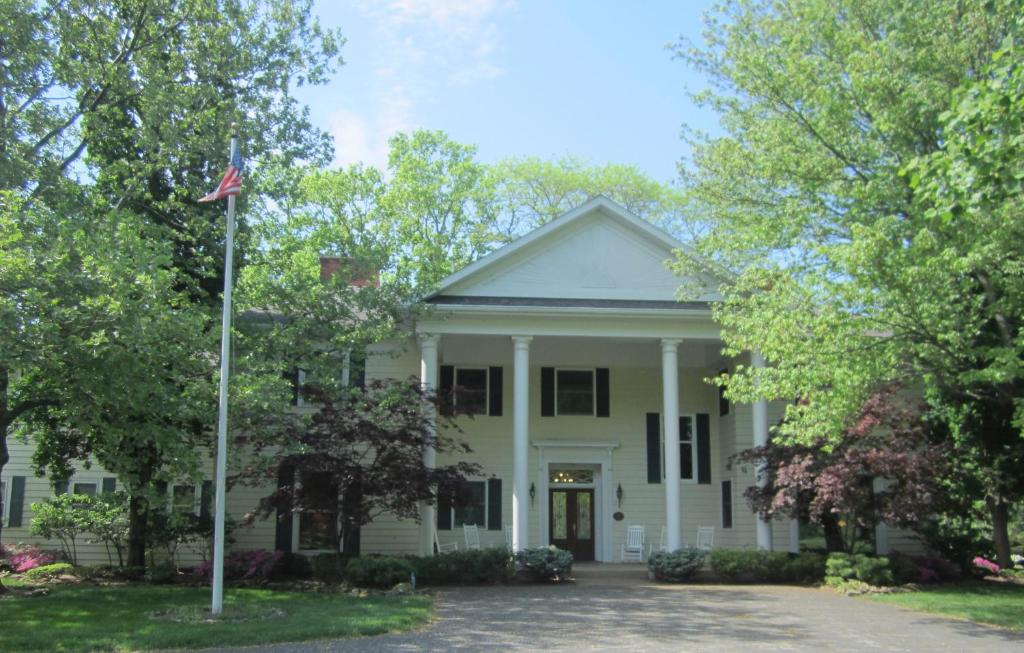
(987,565)
(22,557)
(256,564)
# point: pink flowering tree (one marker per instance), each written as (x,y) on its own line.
(832,483)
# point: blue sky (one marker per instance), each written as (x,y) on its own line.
(529,78)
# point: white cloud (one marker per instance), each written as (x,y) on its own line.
(419,47)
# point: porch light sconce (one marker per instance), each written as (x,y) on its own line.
(533,493)
(618,494)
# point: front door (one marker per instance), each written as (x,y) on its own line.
(572,522)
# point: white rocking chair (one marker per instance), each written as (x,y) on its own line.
(662,544)
(705,537)
(447,547)
(472,535)
(633,548)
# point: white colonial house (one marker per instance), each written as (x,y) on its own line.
(587,380)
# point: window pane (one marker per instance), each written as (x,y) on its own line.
(575,392)
(84,488)
(471,391)
(560,530)
(563,476)
(686,447)
(474,511)
(184,498)
(583,525)
(318,530)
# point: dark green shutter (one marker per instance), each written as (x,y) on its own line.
(444,391)
(547,392)
(109,485)
(292,377)
(495,388)
(206,500)
(161,488)
(494,504)
(703,448)
(726,504)
(351,543)
(653,448)
(723,403)
(283,534)
(17,501)
(444,511)
(60,487)
(601,376)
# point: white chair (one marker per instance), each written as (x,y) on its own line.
(633,548)
(662,543)
(472,535)
(447,547)
(705,537)
(507,528)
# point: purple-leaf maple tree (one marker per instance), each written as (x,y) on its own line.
(361,455)
(829,483)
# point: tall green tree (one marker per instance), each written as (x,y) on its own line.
(114,117)
(845,278)
(532,191)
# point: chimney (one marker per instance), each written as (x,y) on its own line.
(329,265)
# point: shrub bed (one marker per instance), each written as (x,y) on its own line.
(328,567)
(257,564)
(382,572)
(843,567)
(23,557)
(544,563)
(767,566)
(45,572)
(486,566)
(676,566)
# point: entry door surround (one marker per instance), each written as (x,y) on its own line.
(596,456)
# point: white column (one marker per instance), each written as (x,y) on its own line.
(670,400)
(428,377)
(760,416)
(520,441)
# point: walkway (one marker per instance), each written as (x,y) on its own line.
(614,608)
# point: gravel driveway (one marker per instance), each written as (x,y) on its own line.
(613,608)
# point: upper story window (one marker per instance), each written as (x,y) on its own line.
(86,488)
(470,395)
(574,392)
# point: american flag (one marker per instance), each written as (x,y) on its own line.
(231,184)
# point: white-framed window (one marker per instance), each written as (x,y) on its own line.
(88,485)
(687,448)
(185,498)
(575,392)
(474,512)
(471,390)
(317,529)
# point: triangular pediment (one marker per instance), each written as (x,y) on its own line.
(597,252)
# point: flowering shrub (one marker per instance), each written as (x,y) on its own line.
(256,564)
(22,557)
(987,565)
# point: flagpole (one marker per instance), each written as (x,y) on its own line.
(222,409)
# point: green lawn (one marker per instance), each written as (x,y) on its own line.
(998,604)
(119,618)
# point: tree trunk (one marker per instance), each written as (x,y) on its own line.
(138,509)
(137,531)
(833,534)
(1000,512)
